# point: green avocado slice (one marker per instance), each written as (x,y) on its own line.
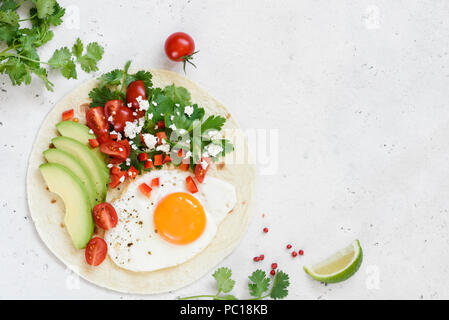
(78,218)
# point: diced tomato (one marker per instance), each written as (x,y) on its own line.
(68,114)
(143,156)
(184,166)
(157,160)
(132,172)
(191,185)
(148,164)
(96,251)
(115,170)
(94,143)
(116,179)
(166,159)
(145,189)
(161,136)
(161,124)
(118,150)
(96,120)
(105,216)
(134,90)
(155,182)
(120,114)
(200,172)
(180,153)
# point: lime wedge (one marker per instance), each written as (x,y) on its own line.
(338,267)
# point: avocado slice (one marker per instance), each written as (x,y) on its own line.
(79,169)
(78,217)
(97,169)
(79,132)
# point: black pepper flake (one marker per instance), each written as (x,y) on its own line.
(130,244)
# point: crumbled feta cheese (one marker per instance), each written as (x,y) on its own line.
(164,147)
(172,117)
(150,116)
(110,119)
(154,103)
(188,140)
(173,127)
(213,134)
(134,114)
(188,155)
(177,104)
(128,161)
(150,140)
(204,164)
(134,146)
(130,105)
(182,131)
(110,165)
(120,149)
(143,104)
(132,129)
(91,131)
(188,110)
(214,149)
(122,178)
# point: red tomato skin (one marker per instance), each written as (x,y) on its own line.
(120,114)
(145,189)
(135,89)
(158,160)
(96,120)
(96,251)
(115,179)
(179,45)
(132,172)
(94,143)
(105,216)
(148,164)
(155,182)
(184,166)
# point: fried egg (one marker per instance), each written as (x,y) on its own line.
(169,227)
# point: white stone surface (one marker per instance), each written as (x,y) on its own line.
(358,91)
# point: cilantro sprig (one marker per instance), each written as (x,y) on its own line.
(20,59)
(260,286)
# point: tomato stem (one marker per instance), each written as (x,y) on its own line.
(188,59)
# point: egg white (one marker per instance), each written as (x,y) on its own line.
(134,243)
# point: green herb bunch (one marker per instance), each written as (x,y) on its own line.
(260,286)
(19,58)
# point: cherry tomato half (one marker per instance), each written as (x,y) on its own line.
(179,46)
(96,120)
(96,251)
(135,89)
(118,150)
(119,112)
(105,216)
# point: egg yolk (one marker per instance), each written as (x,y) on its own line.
(179,218)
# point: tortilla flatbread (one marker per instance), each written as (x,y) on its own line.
(47,209)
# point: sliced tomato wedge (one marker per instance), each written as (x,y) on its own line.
(94,143)
(157,159)
(120,114)
(118,150)
(135,89)
(155,182)
(96,120)
(96,251)
(132,172)
(200,172)
(117,178)
(191,185)
(105,216)
(68,114)
(145,189)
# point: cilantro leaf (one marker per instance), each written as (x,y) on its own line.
(178,95)
(213,123)
(93,55)
(45,8)
(9,17)
(112,78)
(78,48)
(8,5)
(259,283)
(102,95)
(60,58)
(280,285)
(56,17)
(224,281)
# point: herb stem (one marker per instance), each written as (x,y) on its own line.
(201,296)
(24,58)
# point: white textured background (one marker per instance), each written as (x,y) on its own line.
(359,91)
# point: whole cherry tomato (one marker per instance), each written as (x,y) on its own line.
(135,89)
(179,46)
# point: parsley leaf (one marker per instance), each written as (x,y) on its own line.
(102,95)
(213,123)
(45,8)
(9,17)
(112,78)
(93,55)
(224,281)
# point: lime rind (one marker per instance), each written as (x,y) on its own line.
(342,274)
